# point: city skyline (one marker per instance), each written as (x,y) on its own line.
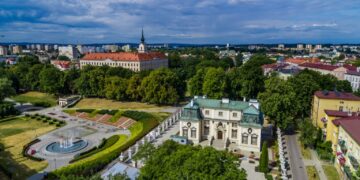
(189,22)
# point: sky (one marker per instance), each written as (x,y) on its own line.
(180,21)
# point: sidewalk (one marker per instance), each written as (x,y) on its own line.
(317,163)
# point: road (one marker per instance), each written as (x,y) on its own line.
(297,167)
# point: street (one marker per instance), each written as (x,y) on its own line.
(297,166)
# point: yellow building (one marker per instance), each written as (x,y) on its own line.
(332,128)
(332,100)
(348,149)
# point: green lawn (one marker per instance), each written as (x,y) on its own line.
(36,98)
(330,172)
(312,173)
(14,135)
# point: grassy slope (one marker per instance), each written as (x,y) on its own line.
(97,103)
(34,96)
(330,172)
(14,135)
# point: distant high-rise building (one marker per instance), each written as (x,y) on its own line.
(28,46)
(79,47)
(3,50)
(308,47)
(48,47)
(69,51)
(39,47)
(318,46)
(126,48)
(281,46)
(33,46)
(56,47)
(16,49)
(300,47)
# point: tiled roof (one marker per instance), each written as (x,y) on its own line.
(352,126)
(302,60)
(339,113)
(336,95)
(349,67)
(62,64)
(319,66)
(125,56)
(354,73)
(336,122)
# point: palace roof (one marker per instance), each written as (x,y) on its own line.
(336,95)
(124,56)
(319,66)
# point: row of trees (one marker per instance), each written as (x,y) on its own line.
(161,86)
(284,101)
(235,83)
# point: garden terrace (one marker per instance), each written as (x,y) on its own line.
(36,99)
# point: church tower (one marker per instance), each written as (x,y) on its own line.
(142,45)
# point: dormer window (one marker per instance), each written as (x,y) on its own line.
(234,114)
(207,112)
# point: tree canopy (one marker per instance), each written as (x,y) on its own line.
(174,161)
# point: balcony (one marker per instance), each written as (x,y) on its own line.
(343,146)
(353,162)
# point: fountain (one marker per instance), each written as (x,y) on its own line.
(66,144)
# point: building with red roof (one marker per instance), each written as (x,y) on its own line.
(135,61)
(64,65)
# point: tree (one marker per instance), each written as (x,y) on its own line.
(68,81)
(174,161)
(6,89)
(32,77)
(239,59)
(307,133)
(234,83)
(278,102)
(133,90)
(63,58)
(115,88)
(264,158)
(145,151)
(196,82)
(214,83)
(50,80)
(304,86)
(162,86)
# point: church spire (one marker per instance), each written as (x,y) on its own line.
(142,36)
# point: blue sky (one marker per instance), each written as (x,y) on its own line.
(181,21)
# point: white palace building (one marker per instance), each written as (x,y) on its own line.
(235,125)
(135,61)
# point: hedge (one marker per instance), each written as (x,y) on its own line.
(6,171)
(85,110)
(93,164)
(105,111)
(26,148)
(8,119)
(137,115)
(106,143)
(41,104)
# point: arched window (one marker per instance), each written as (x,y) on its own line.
(254,138)
(185,131)
(193,132)
(244,138)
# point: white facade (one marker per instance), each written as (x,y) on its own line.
(69,51)
(354,79)
(3,50)
(227,127)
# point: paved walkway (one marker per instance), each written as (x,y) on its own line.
(317,163)
(250,170)
(166,135)
(297,166)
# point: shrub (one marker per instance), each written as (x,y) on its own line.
(26,148)
(42,104)
(58,125)
(44,120)
(105,143)
(137,115)
(268,177)
(27,115)
(85,110)
(48,118)
(39,118)
(51,122)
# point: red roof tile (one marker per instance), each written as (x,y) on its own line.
(349,67)
(62,64)
(336,122)
(319,66)
(338,113)
(336,95)
(352,126)
(125,56)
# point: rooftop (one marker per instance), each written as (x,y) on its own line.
(352,126)
(319,66)
(339,113)
(336,95)
(125,56)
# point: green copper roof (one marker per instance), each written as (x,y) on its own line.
(251,110)
(218,104)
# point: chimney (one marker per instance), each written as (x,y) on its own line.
(191,103)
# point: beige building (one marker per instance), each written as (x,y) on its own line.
(3,50)
(235,125)
(16,49)
(135,61)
